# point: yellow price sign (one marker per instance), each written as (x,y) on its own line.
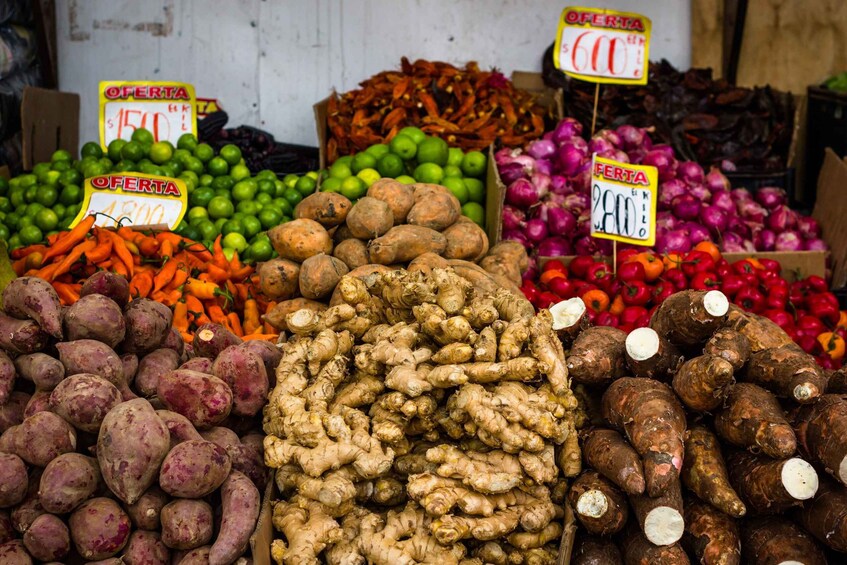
(623,201)
(167,109)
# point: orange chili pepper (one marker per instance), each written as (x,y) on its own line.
(165,275)
(141,285)
(181,316)
(68,293)
(235,324)
(842,319)
(673,260)
(218,254)
(179,278)
(252,323)
(120,249)
(653,265)
(204,290)
(617,306)
(75,255)
(70,239)
(710,248)
(833,345)
(548,276)
(216,314)
(597,300)
(272,337)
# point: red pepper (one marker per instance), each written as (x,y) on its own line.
(820,306)
(677,278)
(842,332)
(777,282)
(771,265)
(643,321)
(798,292)
(777,298)
(626,328)
(731,284)
(631,315)
(705,281)
(581,287)
(562,287)
(810,325)
(530,291)
(614,287)
(744,266)
(600,275)
(781,318)
(580,265)
(606,319)
(697,262)
(817,283)
(723,268)
(750,299)
(626,255)
(636,293)
(546,299)
(661,291)
(768,277)
(809,344)
(828,362)
(632,271)
(555,265)
(750,279)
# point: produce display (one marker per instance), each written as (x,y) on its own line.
(420,419)
(466,107)
(118,440)
(548,198)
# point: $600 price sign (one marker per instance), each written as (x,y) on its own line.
(623,201)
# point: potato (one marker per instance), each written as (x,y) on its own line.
(108,284)
(95,317)
(68,480)
(370,218)
(180,428)
(12,412)
(353,252)
(21,336)
(43,371)
(146,511)
(132,444)
(13,480)
(327,208)
(340,233)
(465,240)
(240,506)
(204,399)
(201,364)
(7,377)
(270,354)
(48,539)
(129,361)
(99,528)
(187,524)
(278,278)
(96,358)
(300,239)
(151,367)
(147,325)
(42,437)
(145,548)
(14,553)
(221,436)
(35,299)
(194,469)
(403,243)
(319,275)
(83,400)
(276,316)
(435,208)
(399,197)
(211,339)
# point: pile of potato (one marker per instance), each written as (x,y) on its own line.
(119,443)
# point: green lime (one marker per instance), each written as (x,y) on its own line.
(339,170)
(265,186)
(207,229)
(91,149)
(261,250)
(71,176)
(453,171)
(60,210)
(25,221)
(219,223)
(433,150)
(26,180)
(284,206)
(353,188)
(132,151)
(429,172)
(106,163)
(4,186)
(377,150)
(293,196)
(404,146)
(172,168)
(232,226)
(239,172)
(231,154)
(115,149)
(234,240)
(290,180)
(17,197)
(187,141)
(71,194)
(279,188)
(474,164)
(416,134)
(475,212)
(143,136)
(73,210)
(15,241)
(346,160)
(266,174)
(30,235)
(31,193)
(368,176)
(47,195)
(204,152)
(161,152)
(46,219)
(331,184)
(206,180)
(33,208)
(197,214)
(61,166)
(362,161)
(405,179)
(247,207)
(217,166)
(5,205)
(190,180)
(12,220)
(191,232)
(40,169)
(244,190)
(151,169)
(225,182)
(238,216)
(455,156)
(180,156)
(264,198)
(223,193)
(52,177)
(4,232)
(60,155)
(269,218)
(390,166)
(252,226)
(220,207)
(194,165)
(458,188)
(476,190)
(305,186)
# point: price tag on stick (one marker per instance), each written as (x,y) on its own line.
(623,201)
(138,199)
(166,109)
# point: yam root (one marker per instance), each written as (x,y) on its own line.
(598,355)
(329,209)
(753,419)
(399,197)
(730,345)
(404,243)
(598,504)
(690,317)
(711,537)
(609,453)
(654,421)
(507,259)
(704,472)
(770,486)
(825,516)
(788,372)
(773,540)
(821,430)
(651,356)
(661,517)
(701,382)
(638,550)
(760,332)
(298,240)
(353,252)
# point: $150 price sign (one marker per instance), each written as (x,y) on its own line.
(604,46)
(166,109)
(140,200)
(623,201)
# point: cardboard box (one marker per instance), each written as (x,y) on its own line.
(49,121)
(831,212)
(551,98)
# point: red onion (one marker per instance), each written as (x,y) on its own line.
(518,236)
(620,156)
(750,210)
(581,183)
(685,207)
(732,243)
(782,218)
(576,202)
(715,180)
(714,219)
(788,241)
(808,227)
(567,129)
(631,136)
(560,185)
(697,232)
(522,193)
(535,230)
(662,162)
(532,269)
(700,192)
(674,240)
(513,218)
(665,219)
(541,182)
(690,172)
(741,194)
(738,227)
(600,145)
(666,150)
(560,222)
(728,166)
(541,149)
(611,136)
(636,156)
(543,166)
(815,244)
(770,197)
(569,159)
(554,247)
(670,190)
(548,136)
(764,240)
(723,200)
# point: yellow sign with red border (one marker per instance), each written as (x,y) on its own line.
(166,109)
(623,201)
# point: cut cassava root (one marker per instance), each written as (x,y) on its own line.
(770,486)
(661,517)
(600,507)
(650,355)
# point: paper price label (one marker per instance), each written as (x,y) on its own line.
(136,199)
(623,201)
(604,46)
(167,109)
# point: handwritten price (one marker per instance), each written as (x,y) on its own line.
(165,120)
(606,53)
(615,211)
(136,211)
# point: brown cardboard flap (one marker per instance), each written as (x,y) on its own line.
(831,212)
(494,197)
(49,121)
(263,535)
(321,110)
(550,98)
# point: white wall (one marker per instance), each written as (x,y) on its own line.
(268,61)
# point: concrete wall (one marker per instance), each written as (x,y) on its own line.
(268,61)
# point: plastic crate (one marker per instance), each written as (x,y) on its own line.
(827,124)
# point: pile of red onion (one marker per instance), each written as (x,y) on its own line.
(548,204)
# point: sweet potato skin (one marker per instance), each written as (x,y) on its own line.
(148,324)
(96,358)
(7,377)
(465,240)
(204,399)
(151,367)
(404,243)
(83,400)
(704,472)
(145,548)
(42,437)
(752,418)
(14,553)
(145,513)
(48,538)
(95,317)
(43,371)
(194,469)
(353,252)
(299,239)
(21,336)
(13,480)
(36,299)
(99,528)
(186,523)
(279,278)
(609,453)
(241,503)
(211,339)
(370,218)
(68,481)
(399,197)
(434,209)
(12,412)
(319,275)
(108,284)
(244,372)
(711,536)
(179,427)
(327,208)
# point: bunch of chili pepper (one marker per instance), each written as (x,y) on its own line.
(805,309)
(200,285)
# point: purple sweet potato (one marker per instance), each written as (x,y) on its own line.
(145,548)
(7,532)
(211,339)
(151,367)
(38,402)
(199,364)
(174,341)
(179,427)
(14,553)
(21,336)
(245,373)
(146,511)
(219,435)
(271,355)
(25,513)
(99,528)
(130,364)
(108,284)
(249,459)
(48,538)
(42,437)
(44,371)
(187,524)
(13,480)
(68,481)
(84,400)
(95,317)
(132,444)
(34,298)
(97,358)
(199,556)
(240,506)
(12,412)
(194,469)
(7,377)
(147,325)
(204,399)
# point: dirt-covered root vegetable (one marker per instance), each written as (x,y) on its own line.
(654,421)
(194,469)
(711,537)
(592,550)
(13,480)
(22,515)
(753,419)
(131,446)
(825,516)
(211,339)
(327,208)
(597,356)
(250,460)
(661,517)
(38,402)
(434,209)
(14,553)
(701,382)
(770,486)
(610,454)
(688,318)
(507,259)
(403,243)
(352,252)
(7,532)
(12,412)
(21,336)
(96,358)
(319,275)
(277,315)
(145,513)
(637,549)
(704,472)
(598,504)
(99,528)
(569,319)
(651,356)
(204,399)
(299,239)
(278,278)
(399,197)
(95,317)
(43,371)
(773,540)
(269,353)
(787,372)
(35,299)
(84,400)
(41,438)
(730,345)
(821,430)
(465,240)
(241,503)
(130,366)
(147,325)
(369,218)
(48,538)
(760,332)
(145,548)
(68,481)
(187,524)
(151,367)
(110,285)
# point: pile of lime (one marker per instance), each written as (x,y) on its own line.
(412,156)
